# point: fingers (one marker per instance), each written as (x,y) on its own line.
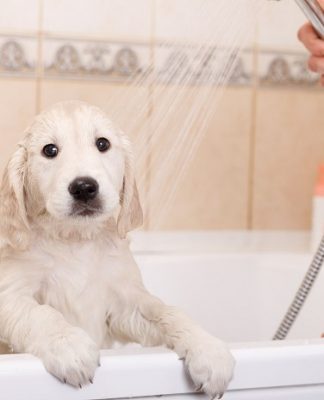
(316,64)
(322,84)
(308,36)
(321,3)
(310,39)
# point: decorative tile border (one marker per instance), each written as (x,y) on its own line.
(288,69)
(174,64)
(18,55)
(191,65)
(80,59)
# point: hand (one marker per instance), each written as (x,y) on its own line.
(308,36)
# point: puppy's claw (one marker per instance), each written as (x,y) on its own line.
(181,358)
(199,388)
(91,381)
(218,396)
(80,386)
(64,380)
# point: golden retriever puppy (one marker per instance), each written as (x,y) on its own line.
(68,282)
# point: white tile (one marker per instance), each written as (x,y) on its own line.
(278,25)
(19,16)
(109,19)
(211,22)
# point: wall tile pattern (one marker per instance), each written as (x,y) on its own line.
(257,163)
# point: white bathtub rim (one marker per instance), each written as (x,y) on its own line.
(152,372)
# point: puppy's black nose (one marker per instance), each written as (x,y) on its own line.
(84,188)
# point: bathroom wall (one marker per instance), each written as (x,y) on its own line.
(256,165)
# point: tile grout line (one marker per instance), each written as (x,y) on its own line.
(252,144)
(40,66)
(150,94)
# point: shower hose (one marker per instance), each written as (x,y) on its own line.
(301,294)
(315,14)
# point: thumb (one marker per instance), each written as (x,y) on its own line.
(321,3)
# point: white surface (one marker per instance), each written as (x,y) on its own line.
(149,372)
(243,242)
(125,20)
(238,297)
(278,25)
(106,19)
(18,17)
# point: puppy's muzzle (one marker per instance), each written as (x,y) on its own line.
(84,189)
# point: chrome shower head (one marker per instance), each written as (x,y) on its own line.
(314,14)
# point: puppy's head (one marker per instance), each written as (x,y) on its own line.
(73,166)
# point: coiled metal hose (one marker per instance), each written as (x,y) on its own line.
(315,14)
(301,294)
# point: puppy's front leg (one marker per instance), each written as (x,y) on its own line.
(66,351)
(208,360)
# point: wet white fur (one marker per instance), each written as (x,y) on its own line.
(69,285)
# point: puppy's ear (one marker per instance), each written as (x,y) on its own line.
(131,214)
(13,215)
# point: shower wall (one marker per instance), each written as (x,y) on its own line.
(257,164)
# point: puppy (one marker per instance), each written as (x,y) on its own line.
(68,282)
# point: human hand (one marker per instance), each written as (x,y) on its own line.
(315,45)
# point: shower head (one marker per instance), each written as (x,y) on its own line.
(314,14)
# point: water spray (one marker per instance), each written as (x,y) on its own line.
(315,15)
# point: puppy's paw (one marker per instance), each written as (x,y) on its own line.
(72,356)
(211,366)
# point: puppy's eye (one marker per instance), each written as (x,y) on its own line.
(102,144)
(50,151)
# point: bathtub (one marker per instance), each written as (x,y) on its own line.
(237,286)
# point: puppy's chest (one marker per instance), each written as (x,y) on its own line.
(79,282)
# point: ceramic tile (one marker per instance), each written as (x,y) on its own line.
(109,19)
(17,109)
(19,16)
(216,23)
(100,60)
(213,193)
(18,55)
(278,25)
(289,147)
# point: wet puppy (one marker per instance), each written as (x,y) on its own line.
(68,282)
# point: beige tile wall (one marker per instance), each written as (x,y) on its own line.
(289,146)
(214,190)
(256,165)
(17,109)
